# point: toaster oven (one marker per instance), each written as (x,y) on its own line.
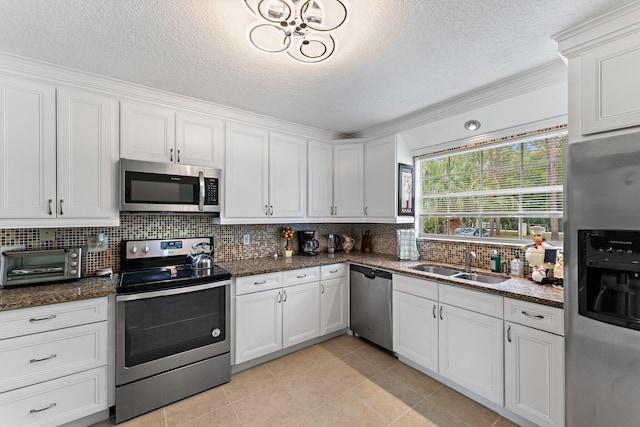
(41,266)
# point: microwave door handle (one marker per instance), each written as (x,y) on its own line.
(201,197)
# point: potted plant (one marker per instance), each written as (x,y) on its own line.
(287,233)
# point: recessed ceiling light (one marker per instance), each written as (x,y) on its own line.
(472,125)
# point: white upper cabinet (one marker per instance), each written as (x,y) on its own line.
(265,174)
(287,175)
(380,177)
(246,172)
(147,132)
(348,180)
(604,62)
(162,134)
(320,184)
(54,180)
(199,140)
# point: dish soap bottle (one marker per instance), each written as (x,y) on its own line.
(495,262)
(517,267)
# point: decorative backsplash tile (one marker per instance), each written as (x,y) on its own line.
(265,239)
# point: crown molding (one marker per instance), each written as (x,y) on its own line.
(22,67)
(610,26)
(518,84)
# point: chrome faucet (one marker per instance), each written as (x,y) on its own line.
(468,256)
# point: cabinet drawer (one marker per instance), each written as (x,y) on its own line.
(259,282)
(478,301)
(415,286)
(332,271)
(39,357)
(24,321)
(55,402)
(304,275)
(543,317)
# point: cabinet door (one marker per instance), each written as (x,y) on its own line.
(87,155)
(258,324)
(199,140)
(415,329)
(287,175)
(534,374)
(28,147)
(333,305)
(246,172)
(300,313)
(611,94)
(320,187)
(348,180)
(470,351)
(380,175)
(148,132)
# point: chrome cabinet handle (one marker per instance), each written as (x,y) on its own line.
(322,287)
(285,296)
(40,319)
(366,210)
(271,210)
(33,411)
(50,211)
(331,210)
(260,283)
(509,333)
(434,312)
(171,154)
(441,318)
(53,356)
(335,210)
(333,271)
(266,210)
(178,159)
(301,277)
(61,213)
(535,316)
(279,297)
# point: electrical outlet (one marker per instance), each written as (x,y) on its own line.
(246,239)
(47,234)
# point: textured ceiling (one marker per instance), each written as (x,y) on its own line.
(393,57)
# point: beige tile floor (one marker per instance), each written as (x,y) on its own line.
(341,382)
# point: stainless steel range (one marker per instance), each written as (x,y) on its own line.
(173,324)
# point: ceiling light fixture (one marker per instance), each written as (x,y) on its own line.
(301,28)
(472,125)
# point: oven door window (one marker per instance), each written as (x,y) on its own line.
(143,187)
(166,325)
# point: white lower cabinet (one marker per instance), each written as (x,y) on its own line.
(415,320)
(534,362)
(471,351)
(274,319)
(54,363)
(334,291)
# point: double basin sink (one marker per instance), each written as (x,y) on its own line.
(457,274)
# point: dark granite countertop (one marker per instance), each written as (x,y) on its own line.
(93,287)
(31,296)
(519,288)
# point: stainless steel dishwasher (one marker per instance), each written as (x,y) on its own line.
(370,305)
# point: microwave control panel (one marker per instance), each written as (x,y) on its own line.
(211,191)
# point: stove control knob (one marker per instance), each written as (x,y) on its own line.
(73,263)
(134,249)
(215,333)
(146,249)
(73,272)
(73,255)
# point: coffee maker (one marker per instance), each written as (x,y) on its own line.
(308,242)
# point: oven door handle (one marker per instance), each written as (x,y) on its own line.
(176,291)
(201,193)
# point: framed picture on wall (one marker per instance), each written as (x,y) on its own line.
(405,190)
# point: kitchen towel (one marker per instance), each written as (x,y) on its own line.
(407,246)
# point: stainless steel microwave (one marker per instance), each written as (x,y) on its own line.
(166,187)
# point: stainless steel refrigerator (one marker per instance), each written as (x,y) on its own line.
(602,282)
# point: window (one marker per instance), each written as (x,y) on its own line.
(494,190)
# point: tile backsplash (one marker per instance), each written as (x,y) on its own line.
(265,239)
